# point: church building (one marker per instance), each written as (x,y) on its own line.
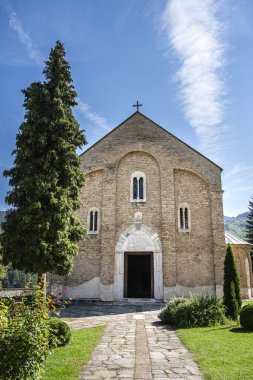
(153,210)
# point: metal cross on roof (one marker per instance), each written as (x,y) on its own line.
(137,105)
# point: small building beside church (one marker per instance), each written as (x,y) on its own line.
(153,210)
(241,252)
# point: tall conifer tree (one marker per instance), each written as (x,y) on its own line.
(249,227)
(231,288)
(41,231)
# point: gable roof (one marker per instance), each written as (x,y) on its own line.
(165,130)
(230,239)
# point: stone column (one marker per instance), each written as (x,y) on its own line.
(108,231)
(219,246)
(168,237)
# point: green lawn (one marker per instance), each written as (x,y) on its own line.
(66,363)
(247,301)
(223,353)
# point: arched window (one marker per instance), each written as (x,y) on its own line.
(141,188)
(135,188)
(93,221)
(138,187)
(184,221)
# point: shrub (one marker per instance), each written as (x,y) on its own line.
(11,300)
(24,338)
(196,311)
(167,314)
(59,332)
(246,317)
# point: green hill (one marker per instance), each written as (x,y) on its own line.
(236,225)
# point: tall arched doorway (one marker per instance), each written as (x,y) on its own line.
(138,264)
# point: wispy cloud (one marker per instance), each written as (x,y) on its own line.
(93,117)
(194,33)
(25,38)
(36,56)
(239,169)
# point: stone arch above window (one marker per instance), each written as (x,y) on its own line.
(93,221)
(184,218)
(138,187)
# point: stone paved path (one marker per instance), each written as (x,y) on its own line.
(136,346)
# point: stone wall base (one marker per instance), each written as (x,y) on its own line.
(94,289)
(184,291)
(246,293)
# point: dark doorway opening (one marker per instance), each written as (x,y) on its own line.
(138,275)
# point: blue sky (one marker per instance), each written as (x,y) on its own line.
(189,62)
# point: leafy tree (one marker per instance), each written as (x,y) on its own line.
(249,227)
(41,231)
(231,288)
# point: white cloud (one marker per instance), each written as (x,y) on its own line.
(195,34)
(96,119)
(239,169)
(24,38)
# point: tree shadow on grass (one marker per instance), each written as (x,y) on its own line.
(240,330)
(217,327)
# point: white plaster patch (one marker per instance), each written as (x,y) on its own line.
(246,292)
(92,289)
(184,291)
(106,292)
(89,289)
(219,291)
(118,285)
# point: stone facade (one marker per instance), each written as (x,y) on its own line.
(175,174)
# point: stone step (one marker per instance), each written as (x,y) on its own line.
(125,301)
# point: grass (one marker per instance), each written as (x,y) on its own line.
(247,302)
(223,353)
(66,363)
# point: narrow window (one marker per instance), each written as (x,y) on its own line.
(186,225)
(96,221)
(91,221)
(141,188)
(184,218)
(135,188)
(181,218)
(138,187)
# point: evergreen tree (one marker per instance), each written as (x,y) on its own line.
(41,231)
(231,288)
(249,228)
(3,272)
